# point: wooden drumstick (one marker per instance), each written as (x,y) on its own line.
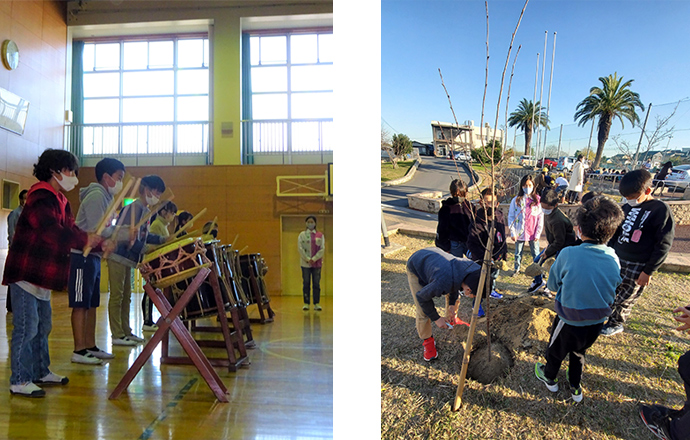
(189,223)
(242,250)
(232,246)
(109,212)
(131,195)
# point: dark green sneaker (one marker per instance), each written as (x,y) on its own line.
(552,385)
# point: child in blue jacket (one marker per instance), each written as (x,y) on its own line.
(585,278)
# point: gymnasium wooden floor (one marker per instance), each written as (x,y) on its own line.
(286,392)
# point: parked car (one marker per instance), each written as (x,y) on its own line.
(565,163)
(461,155)
(526,161)
(679,177)
(548,162)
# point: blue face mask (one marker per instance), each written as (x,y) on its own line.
(547,211)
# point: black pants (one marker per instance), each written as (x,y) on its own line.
(311,275)
(680,426)
(569,340)
(147,309)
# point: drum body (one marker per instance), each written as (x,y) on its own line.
(253,270)
(174,262)
(214,253)
(232,275)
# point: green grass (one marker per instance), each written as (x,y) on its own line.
(389,173)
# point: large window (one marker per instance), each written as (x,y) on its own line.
(291,92)
(146,96)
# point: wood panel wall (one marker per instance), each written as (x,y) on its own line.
(242,196)
(39,28)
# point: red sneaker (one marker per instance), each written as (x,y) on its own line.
(430,349)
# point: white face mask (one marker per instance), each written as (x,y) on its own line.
(68,182)
(311,226)
(152,200)
(632,202)
(527,190)
(547,211)
(114,190)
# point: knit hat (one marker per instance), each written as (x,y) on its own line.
(472,280)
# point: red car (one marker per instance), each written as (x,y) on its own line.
(549,162)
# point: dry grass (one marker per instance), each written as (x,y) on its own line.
(639,365)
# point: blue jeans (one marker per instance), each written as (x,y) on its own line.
(32,320)
(533,249)
(312,274)
(458,248)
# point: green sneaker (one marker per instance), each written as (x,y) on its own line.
(551,385)
(575,393)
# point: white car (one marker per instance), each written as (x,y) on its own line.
(461,155)
(679,177)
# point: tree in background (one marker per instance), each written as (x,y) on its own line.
(482,154)
(587,154)
(401,145)
(613,100)
(525,118)
(387,146)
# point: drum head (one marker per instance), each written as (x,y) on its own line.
(164,249)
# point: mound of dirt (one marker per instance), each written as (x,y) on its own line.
(523,323)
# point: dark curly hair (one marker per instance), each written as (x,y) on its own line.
(52,160)
(599,218)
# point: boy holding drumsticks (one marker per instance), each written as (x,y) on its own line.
(127,255)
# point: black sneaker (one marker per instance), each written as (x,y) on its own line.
(656,421)
(536,285)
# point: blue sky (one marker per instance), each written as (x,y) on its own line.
(647,41)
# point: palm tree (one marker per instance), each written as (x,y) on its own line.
(525,117)
(613,100)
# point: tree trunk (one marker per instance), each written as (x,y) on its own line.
(602,136)
(528,140)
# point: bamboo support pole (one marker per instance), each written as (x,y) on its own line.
(470,336)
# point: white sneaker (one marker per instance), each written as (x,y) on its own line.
(125,341)
(52,379)
(100,354)
(87,358)
(317,307)
(136,339)
(27,390)
(149,328)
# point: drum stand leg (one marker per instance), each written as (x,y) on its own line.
(229,342)
(265,310)
(170,321)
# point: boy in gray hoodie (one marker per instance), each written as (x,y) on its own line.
(432,273)
(85,272)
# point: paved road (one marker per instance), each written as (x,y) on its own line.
(434,174)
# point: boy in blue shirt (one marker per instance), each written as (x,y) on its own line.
(585,278)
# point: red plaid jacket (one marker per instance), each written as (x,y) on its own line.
(45,233)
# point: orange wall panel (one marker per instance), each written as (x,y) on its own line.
(243,197)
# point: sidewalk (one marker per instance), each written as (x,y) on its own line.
(678,259)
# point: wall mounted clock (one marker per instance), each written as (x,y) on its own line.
(10,54)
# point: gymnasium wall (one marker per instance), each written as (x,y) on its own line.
(244,200)
(40,31)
